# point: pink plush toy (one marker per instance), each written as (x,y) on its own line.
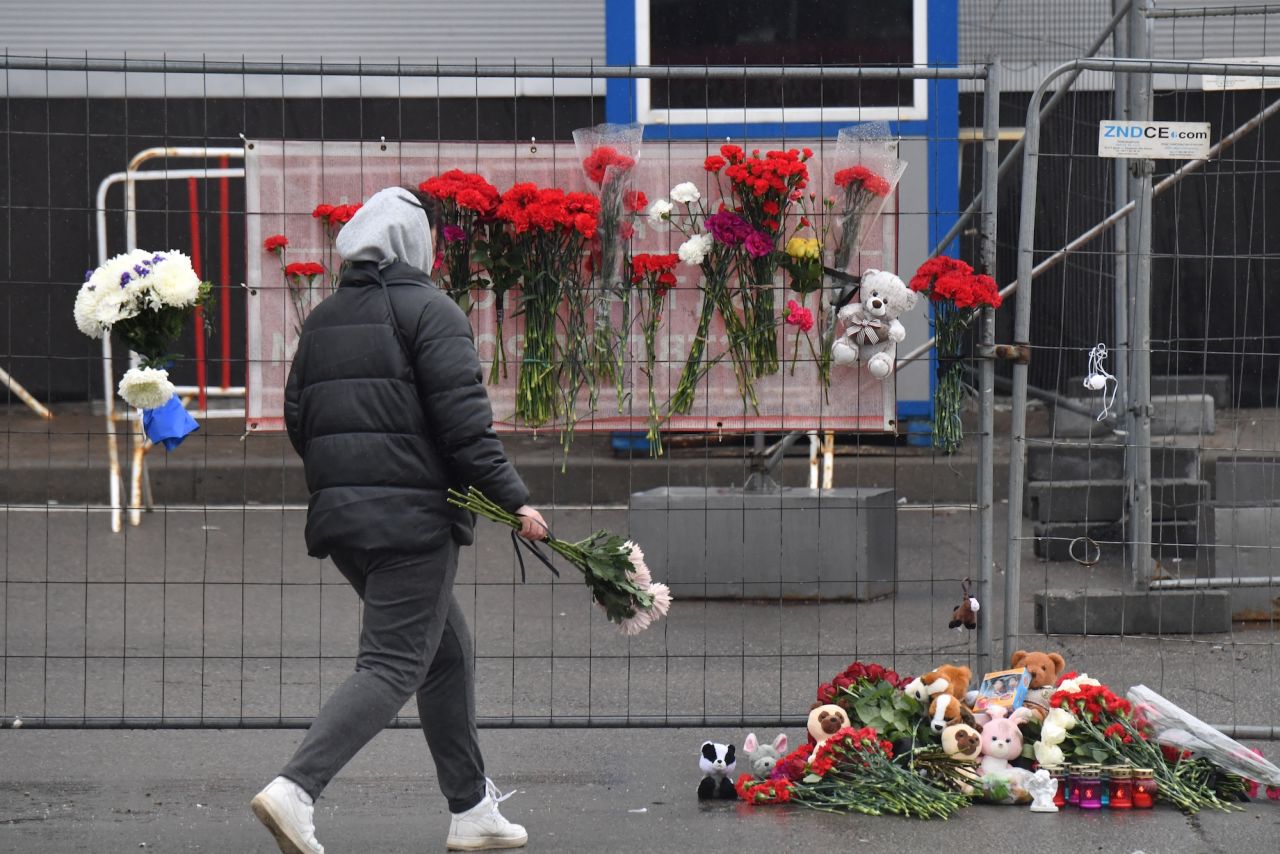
(1001,741)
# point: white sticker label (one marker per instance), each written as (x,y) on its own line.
(1156,140)
(1226,82)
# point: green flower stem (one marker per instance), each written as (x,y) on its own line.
(949,324)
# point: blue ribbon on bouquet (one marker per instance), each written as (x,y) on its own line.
(168,425)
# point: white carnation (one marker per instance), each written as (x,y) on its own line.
(86,310)
(146,388)
(693,250)
(685,194)
(174,282)
(660,211)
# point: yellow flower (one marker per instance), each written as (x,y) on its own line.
(803,247)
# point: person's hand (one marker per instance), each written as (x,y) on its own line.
(532,525)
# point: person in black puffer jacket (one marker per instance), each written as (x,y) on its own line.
(386,404)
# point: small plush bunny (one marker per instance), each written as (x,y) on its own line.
(762,757)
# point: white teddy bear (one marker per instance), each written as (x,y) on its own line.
(871,327)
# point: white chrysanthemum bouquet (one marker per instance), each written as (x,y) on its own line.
(612,567)
(146,299)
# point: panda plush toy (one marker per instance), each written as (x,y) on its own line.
(717,763)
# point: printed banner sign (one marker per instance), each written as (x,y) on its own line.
(1233,82)
(1156,140)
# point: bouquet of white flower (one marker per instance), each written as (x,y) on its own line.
(145,298)
(613,568)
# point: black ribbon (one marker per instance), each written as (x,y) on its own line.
(517,542)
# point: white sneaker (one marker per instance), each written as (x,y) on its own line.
(286,811)
(483,827)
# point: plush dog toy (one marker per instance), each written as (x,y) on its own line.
(1044,668)
(762,757)
(943,689)
(825,720)
(871,326)
(717,763)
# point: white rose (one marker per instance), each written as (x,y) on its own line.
(1049,754)
(685,194)
(174,282)
(1060,718)
(146,388)
(660,211)
(693,250)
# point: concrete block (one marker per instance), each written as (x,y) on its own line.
(1075,500)
(1248,545)
(1182,542)
(1181,415)
(1107,612)
(1178,499)
(1247,481)
(1172,415)
(1105,461)
(1217,386)
(799,543)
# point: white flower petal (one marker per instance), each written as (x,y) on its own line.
(146,388)
(686,193)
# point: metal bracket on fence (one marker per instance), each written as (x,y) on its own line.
(1018,354)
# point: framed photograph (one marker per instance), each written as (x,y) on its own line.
(1006,688)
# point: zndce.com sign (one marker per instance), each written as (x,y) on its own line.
(1156,140)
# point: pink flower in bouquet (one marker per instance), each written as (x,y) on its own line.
(758,245)
(452,234)
(799,316)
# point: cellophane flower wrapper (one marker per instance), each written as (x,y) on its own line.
(609,154)
(869,146)
(1183,731)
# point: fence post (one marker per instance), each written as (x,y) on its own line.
(1120,260)
(1138,418)
(986,364)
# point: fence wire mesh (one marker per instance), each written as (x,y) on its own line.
(1189,609)
(205,610)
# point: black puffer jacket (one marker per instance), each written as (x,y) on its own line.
(378,453)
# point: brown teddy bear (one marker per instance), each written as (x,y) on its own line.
(942,690)
(1044,668)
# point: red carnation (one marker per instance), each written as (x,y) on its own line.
(597,163)
(309,269)
(635,201)
(861,176)
(714,163)
(322,211)
(275,243)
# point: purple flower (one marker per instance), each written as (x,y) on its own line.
(142,271)
(758,244)
(728,228)
(453,234)
(88,274)
(125,278)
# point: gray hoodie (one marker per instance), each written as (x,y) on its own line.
(390,227)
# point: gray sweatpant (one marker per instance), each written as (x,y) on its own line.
(414,640)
